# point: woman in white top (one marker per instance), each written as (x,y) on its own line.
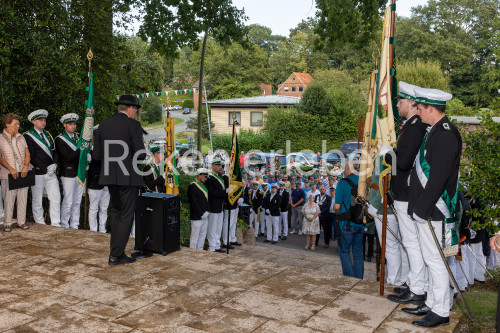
(310,224)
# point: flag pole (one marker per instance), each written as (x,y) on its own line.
(90,55)
(232,163)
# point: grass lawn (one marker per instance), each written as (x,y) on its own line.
(182,137)
(482,301)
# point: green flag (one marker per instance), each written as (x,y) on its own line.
(85,141)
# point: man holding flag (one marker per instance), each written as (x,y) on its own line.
(432,199)
(234,184)
(68,156)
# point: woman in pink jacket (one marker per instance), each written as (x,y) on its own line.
(14,160)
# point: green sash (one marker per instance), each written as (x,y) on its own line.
(49,145)
(202,188)
(71,142)
(445,204)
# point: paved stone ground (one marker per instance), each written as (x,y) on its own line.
(58,280)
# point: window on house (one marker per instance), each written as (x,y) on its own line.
(301,89)
(286,89)
(238,118)
(293,89)
(256,118)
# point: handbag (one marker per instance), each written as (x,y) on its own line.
(21,182)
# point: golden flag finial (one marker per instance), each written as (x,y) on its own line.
(90,56)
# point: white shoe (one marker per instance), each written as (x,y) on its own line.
(300,232)
(293,232)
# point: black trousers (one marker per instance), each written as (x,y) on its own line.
(327,229)
(123,203)
(368,252)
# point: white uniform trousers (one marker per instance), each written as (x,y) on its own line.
(232,226)
(72,198)
(417,276)
(283,224)
(457,273)
(493,260)
(254,222)
(214,230)
(476,263)
(263,221)
(272,226)
(198,234)
(98,205)
(393,250)
(438,294)
(51,185)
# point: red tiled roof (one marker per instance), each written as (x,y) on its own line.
(304,77)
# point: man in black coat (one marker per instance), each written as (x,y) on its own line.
(68,157)
(433,189)
(285,203)
(44,159)
(324,201)
(153,180)
(217,193)
(273,204)
(197,195)
(117,143)
(253,198)
(407,147)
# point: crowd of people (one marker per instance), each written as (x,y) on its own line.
(283,200)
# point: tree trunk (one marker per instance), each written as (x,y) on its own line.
(200,92)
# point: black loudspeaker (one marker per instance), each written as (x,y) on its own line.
(244,213)
(157,223)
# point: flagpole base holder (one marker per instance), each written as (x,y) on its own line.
(141,254)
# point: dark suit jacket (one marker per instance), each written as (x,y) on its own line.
(274,204)
(324,207)
(409,141)
(443,150)
(38,157)
(285,199)
(128,131)
(67,158)
(94,174)
(150,183)
(253,202)
(198,203)
(216,194)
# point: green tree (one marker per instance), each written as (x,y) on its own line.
(482,172)
(462,36)
(263,37)
(175,23)
(151,111)
(315,101)
(235,71)
(422,73)
(348,23)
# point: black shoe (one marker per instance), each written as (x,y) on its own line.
(121,260)
(220,251)
(475,280)
(261,234)
(279,237)
(230,246)
(369,259)
(431,320)
(401,289)
(266,241)
(274,242)
(407,297)
(236,243)
(284,238)
(420,310)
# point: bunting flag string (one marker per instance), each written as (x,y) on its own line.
(163,93)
